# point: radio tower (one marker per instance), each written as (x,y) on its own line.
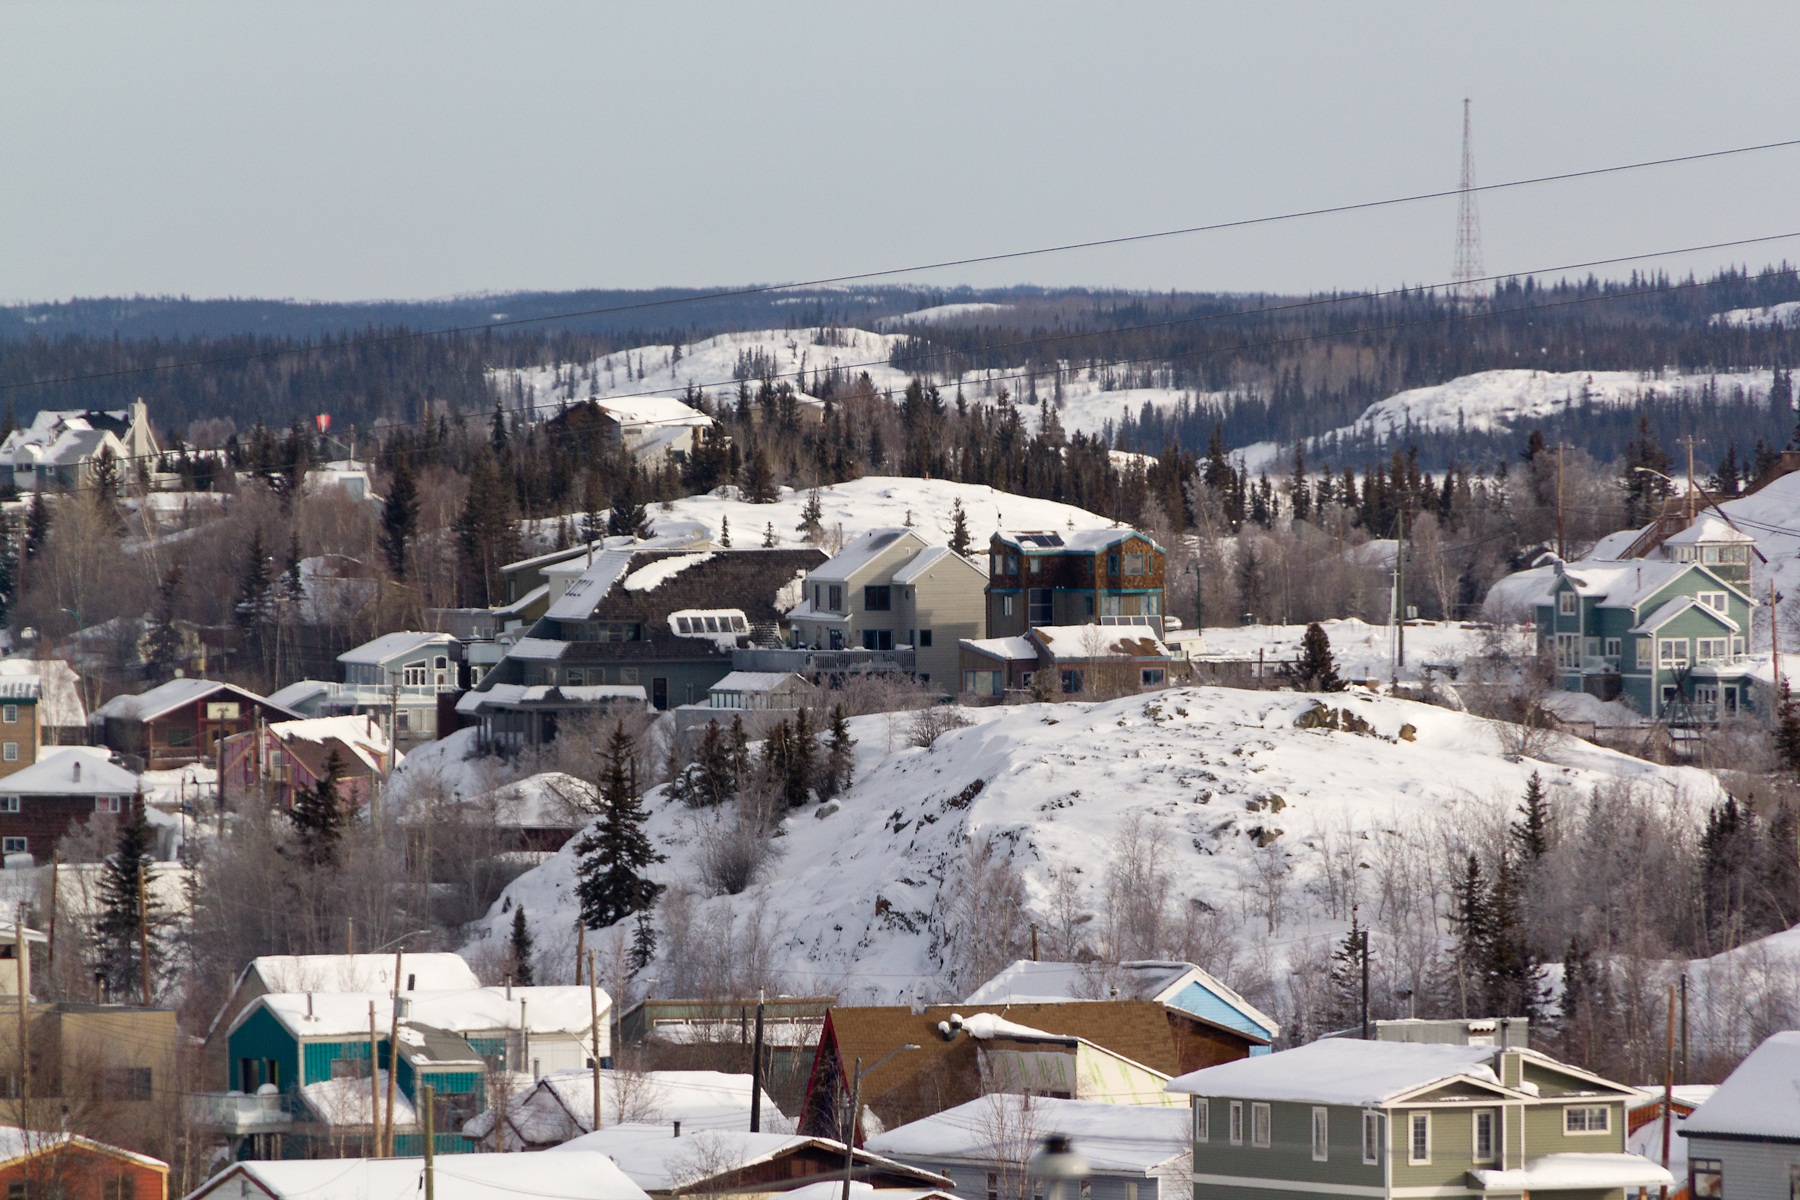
(1468,267)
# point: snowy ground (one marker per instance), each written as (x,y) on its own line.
(1760,318)
(1362,650)
(854,508)
(858,904)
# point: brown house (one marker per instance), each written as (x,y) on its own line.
(1112,576)
(64,788)
(77,1168)
(183,721)
(667,1163)
(1090,662)
(19,735)
(945,1070)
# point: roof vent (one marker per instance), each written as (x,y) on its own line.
(77,771)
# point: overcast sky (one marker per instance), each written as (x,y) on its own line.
(391,150)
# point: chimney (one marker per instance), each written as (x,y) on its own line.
(678,1129)
(78,770)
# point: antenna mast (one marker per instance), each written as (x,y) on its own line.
(1468,266)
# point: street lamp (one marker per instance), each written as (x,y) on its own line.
(856,1079)
(1057,1161)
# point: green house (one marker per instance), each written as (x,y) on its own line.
(1668,635)
(1387,1120)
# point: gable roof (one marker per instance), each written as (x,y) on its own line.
(860,553)
(389,645)
(72,771)
(1760,1100)
(656,1160)
(1112,1137)
(462,1177)
(1674,608)
(436,971)
(166,698)
(1074,541)
(17,1144)
(1026,981)
(550,1010)
(1707,529)
(931,557)
(1342,1071)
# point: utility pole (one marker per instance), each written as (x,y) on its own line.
(594,1033)
(1689,441)
(24,1001)
(1562,546)
(756,1059)
(1774,637)
(1400,594)
(143,937)
(428,1094)
(387,1135)
(1668,1104)
(850,1130)
(373,1147)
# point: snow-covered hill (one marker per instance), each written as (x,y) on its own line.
(859,505)
(715,364)
(1760,318)
(862,899)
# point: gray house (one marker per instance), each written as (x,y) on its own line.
(1744,1142)
(891,588)
(1395,1119)
(1133,1152)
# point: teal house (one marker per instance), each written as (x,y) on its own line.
(311,1057)
(1668,634)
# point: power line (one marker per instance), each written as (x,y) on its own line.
(733,293)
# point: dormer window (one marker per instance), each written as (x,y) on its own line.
(1565,603)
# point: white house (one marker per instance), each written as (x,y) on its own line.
(57,451)
(1745,1140)
(464,1177)
(561,1106)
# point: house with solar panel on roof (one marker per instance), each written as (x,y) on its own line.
(1077,577)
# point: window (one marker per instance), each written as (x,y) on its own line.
(1087,606)
(1565,603)
(1371,1138)
(16,1190)
(109,804)
(415,675)
(981,683)
(1646,650)
(993,1188)
(1135,564)
(1150,677)
(1259,1125)
(1711,649)
(818,600)
(1585,1118)
(1112,564)
(1237,1122)
(1484,1135)
(1109,606)
(1713,600)
(13,846)
(10,714)
(1153,604)
(878,599)
(9,804)
(878,639)
(575,678)
(403,720)
(1131,1190)
(1321,1134)
(1418,1148)
(126,1083)
(628,674)
(1672,652)
(993,564)
(1006,606)
(1202,1118)
(10,752)
(119,1187)
(1036,563)
(349,1068)
(1087,1189)
(1012,564)
(1071,682)
(1568,651)
(1706,1178)
(1737,647)
(1591,647)
(1613,647)
(836,594)
(924,639)
(178,736)
(1043,610)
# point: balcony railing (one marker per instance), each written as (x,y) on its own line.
(1600,664)
(239,1112)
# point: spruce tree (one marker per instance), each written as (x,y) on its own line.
(293,581)
(1787,730)
(628,518)
(117,944)
(615,851)
(812,517)
(253,581)
(1470,915)
(769,536)
(759,479)
(1531,833)
(319,815)
(399,516)
(164,648)
(1317,669)
(803,754)
(643,943)
(839,764)
(725,531)
(519,947)
(959,527)
(37,525)
(497,434)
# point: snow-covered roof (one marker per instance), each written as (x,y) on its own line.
(1028,982)
(16,1143)
(858,554)
(1016,649)
(60,697)
(834,1189)
(1761,1099)
(1080,541)
(506,695)
(652,410)
(1707,529)
(1112,1137)
(597,579)
(345,1101)
(926,559)
(392,645)
(298,693)
(363,737)
(458,1177)
(1576,1172)
(21,687)
(1071,642)
(1341,1071)
(653,575)
(1612,547)
(434,972)
(1671,609)
(72,771)
(698,1099)
(166,698)
(537,649)
(756,681)
(464,1010)
(657,1160)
